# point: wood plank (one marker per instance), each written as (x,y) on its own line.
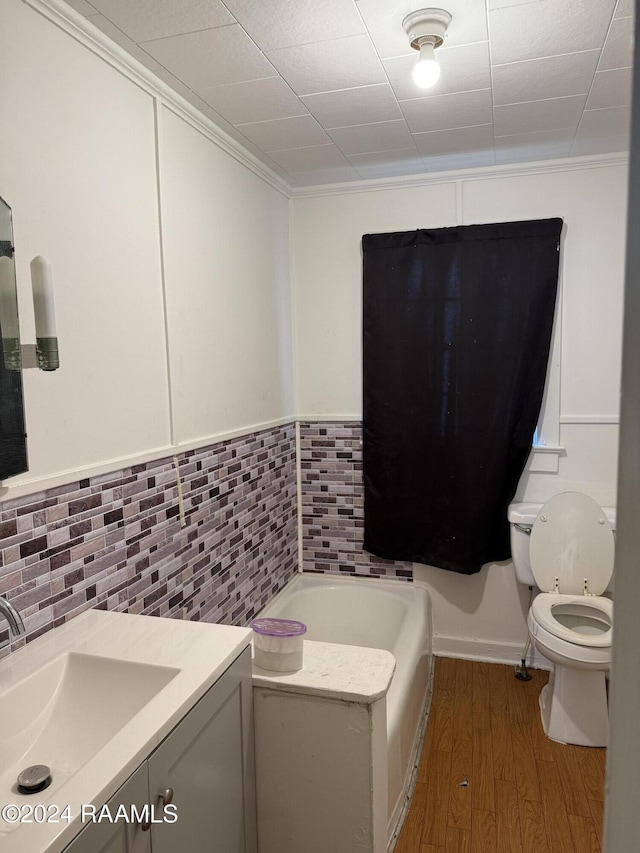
(462,723)
(503,760)
(434,826)
(508,835)
(482,768)
(442,710)
(460,796)
(585,837)
(596,807)
(427,746)
(411,833)
(483,834)
(429,848)
(532,828)
(481,697)
(575,793)
(458,840)
(464,670)
(444,675)
(518,701)
(525,763)
(498,674)
(554,808)
(592,768)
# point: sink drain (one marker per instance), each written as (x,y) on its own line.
(34,779)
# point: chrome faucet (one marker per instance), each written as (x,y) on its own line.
(16,625)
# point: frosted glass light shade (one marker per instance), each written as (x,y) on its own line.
(426,71)
(43,306)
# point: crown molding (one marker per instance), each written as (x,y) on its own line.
(568,164)
(84,32)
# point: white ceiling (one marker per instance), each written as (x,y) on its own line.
(321,90)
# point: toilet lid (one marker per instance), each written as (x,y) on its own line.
(571,539)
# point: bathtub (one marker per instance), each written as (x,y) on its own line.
(380,614)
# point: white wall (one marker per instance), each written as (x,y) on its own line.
(78,167)
(226,255)
(485,612)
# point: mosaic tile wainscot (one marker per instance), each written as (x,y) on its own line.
(117,542)
(333,503)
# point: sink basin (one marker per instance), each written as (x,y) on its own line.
(65,712)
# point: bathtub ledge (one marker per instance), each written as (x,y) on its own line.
(349,673)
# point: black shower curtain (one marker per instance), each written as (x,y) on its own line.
(457,326)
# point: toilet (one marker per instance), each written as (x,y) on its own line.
(566,549)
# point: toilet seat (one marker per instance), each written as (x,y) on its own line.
(572,546)
(591,612)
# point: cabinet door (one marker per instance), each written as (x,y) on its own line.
(207,761)
(120,837)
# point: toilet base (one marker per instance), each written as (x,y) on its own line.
(574,708)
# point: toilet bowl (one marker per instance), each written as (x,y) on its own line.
(567,551)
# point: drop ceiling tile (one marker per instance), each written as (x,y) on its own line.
(116,35)
(234,133)
(550,77)
(143,20)
(82,6)
(464,140)
(443,112)
(385,158)
(502,4)
(548,28)
(462,69)
(539,115)
(298,160)
(610,89)
(384,23)
(624,9)
(384,164)
(324,66)
(614,121)
(600,145)
(362,105)
(188,57)
(325,176)
(464,160)
(283,23)
(297,132)
(254,100)
(179,87)
(363,138)
(526,147)
(618,48)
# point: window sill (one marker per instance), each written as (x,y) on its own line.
(544,458)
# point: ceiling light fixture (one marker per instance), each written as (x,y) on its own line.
(426,29)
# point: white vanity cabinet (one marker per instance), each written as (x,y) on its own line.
(205,768)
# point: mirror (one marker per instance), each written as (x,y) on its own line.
(13,444)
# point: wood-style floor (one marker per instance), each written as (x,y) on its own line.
(489,780)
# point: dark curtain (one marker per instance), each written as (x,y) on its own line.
(457,326)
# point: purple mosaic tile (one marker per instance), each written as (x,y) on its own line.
(332,492)
(118,541)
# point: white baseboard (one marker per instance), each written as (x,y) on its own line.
(486,651)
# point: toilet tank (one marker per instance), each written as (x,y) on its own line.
(521,517)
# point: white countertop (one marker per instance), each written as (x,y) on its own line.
(349,673)
(201,652)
